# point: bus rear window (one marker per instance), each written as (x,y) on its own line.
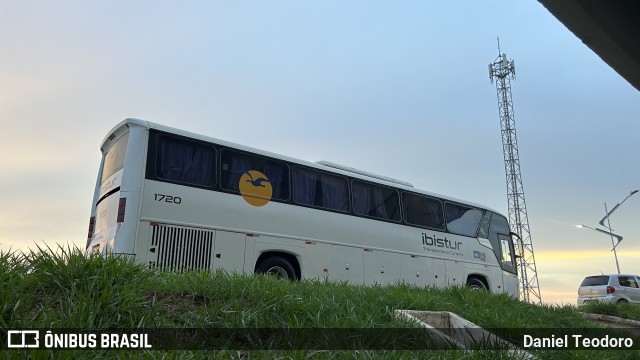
(114,158)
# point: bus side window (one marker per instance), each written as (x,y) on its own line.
(375,201)
(462,220)
(423,211)
(235,164)
(183,161)
(319,189)
(483,232)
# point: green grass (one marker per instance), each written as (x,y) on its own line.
(622,310)
(63,288)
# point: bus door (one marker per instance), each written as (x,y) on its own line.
(508,264)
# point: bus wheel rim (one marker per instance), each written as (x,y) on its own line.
(278,272)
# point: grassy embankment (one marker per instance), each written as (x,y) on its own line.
(64,289)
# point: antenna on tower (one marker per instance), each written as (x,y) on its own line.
(503,71)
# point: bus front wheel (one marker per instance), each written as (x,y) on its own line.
(278,267)
(476,284)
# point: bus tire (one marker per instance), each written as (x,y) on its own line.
(474,283)
(277,266)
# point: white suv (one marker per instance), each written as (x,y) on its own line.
(609,288)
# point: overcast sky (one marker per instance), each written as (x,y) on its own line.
(396,88)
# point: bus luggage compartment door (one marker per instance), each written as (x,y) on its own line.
(229,251)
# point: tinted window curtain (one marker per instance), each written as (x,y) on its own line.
(378,209)
(304,187)
(393,206)
(280,187)
(184,162)
(414,209)
(202,166)
(239,165)
(424,211)
(334,193)
(361,200)
(454,212)
(434,211)
(174,158)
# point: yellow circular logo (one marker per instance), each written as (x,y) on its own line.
(255,188)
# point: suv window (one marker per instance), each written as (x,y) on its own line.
(627,281)
(595,280)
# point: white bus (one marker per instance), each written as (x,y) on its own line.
(179,201)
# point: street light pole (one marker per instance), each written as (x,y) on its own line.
(607,215)
(612,236)
(615,253)
(601,231)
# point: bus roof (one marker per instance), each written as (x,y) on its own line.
(322,165)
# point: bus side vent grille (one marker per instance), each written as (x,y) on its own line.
(181,249)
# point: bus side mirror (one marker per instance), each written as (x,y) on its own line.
(512,234)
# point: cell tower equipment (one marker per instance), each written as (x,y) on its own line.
(502,71)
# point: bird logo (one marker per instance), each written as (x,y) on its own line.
(255,188)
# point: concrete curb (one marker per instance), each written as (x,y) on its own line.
(450,328)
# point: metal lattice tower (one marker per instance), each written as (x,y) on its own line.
(502,71)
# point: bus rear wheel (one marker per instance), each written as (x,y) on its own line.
(476,284)
(278,267)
